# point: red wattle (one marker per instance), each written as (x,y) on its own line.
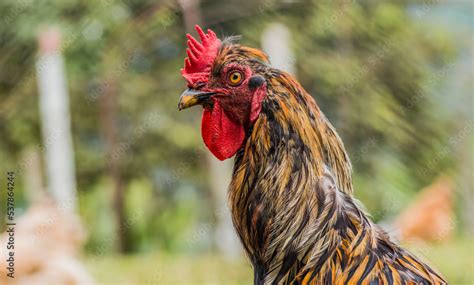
(222,136)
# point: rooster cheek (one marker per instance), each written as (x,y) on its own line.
(237,114)
(237,110)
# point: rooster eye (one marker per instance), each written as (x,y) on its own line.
(235,78)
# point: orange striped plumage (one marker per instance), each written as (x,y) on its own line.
(291,191)
(291,196)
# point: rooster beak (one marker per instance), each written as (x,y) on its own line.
(192,97)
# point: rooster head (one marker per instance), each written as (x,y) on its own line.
(227,80)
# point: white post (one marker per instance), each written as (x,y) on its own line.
(55,120)
(276,39)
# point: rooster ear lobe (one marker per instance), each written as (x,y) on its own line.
(257,86)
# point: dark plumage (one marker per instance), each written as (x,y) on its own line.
(291,190)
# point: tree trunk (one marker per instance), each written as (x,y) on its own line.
(109,128)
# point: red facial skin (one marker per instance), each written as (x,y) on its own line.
(235,109)
(235,106)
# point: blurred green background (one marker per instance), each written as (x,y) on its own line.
(394,77)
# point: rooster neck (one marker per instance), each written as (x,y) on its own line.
(292,126)
(278,171)
(291,203)
(288,217)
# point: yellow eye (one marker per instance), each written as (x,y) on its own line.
(235,77)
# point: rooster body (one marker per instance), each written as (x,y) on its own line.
(291,190)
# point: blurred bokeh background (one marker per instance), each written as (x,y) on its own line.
(88,118)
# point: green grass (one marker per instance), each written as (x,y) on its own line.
(454,259)
(169,269)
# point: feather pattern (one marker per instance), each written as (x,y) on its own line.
(291,195)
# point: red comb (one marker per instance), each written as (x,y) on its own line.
(201,55)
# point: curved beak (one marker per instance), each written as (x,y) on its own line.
(191,97)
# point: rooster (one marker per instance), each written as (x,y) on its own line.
(291,190)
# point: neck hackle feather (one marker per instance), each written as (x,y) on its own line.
(291,190)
